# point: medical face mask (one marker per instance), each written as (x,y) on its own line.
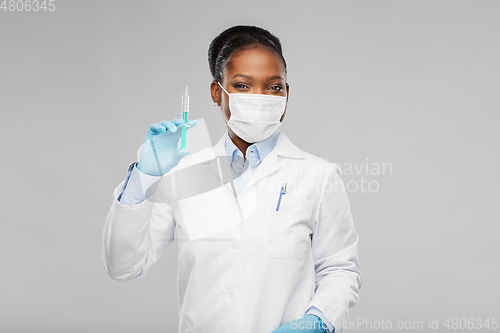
(254,117)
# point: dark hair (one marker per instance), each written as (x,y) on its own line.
(235,38)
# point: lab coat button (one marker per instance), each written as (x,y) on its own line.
(235,245)
(232,293)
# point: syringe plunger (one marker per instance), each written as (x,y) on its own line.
(185,101)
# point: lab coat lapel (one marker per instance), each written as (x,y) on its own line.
(271,164)
(268,166)
(284,147)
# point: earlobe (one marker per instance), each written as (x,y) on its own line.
(287,93)
(214,92)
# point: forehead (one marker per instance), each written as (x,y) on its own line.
(256,60)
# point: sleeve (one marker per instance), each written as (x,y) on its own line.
(335,253)
(315,311)
(138,186)
(135,237)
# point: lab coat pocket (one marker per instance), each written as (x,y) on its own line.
(287,231)
(209,213)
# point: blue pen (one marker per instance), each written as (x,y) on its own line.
(283,190)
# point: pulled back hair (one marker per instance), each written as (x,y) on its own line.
(237,38)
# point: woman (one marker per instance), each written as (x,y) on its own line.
(276,254)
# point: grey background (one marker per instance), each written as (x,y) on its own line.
(411,83)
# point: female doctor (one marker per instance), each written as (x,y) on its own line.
(276,254)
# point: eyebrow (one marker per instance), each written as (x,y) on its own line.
(269,78)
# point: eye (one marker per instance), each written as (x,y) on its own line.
(240,86)
(277,87)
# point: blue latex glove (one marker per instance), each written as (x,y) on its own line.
(159,152)
(308,324)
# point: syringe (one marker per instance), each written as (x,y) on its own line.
(185,110)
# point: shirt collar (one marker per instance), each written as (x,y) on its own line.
(284,148)
(262,148)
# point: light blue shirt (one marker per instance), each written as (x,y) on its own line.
(135,193)
(255,154)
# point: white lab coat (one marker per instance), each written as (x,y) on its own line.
(251,268)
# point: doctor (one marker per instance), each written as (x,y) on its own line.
(275,248)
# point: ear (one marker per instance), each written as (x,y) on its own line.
(215,92)
(287,93)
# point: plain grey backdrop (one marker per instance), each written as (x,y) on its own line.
(412,84)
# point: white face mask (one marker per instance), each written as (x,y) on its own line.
(254,117)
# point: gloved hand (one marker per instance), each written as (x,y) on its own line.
(308,324)
(161,155)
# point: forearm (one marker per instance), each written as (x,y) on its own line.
(334,295)
(315,311)
(132,241)
(125,239)
(335,242)
(138,186)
